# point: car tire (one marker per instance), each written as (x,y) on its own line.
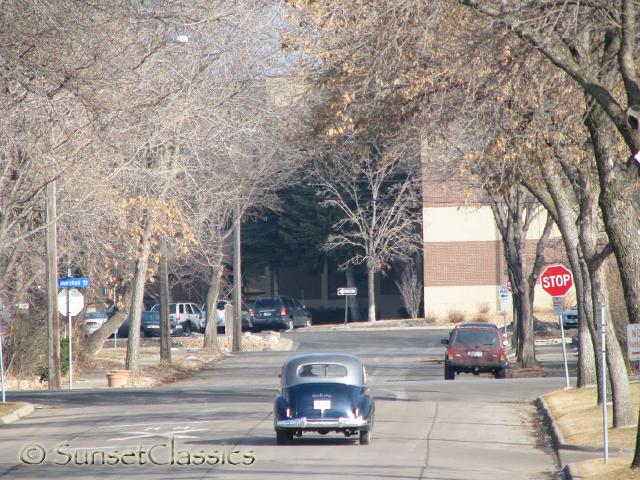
(186,328)
(142,333)
(449,373)
(365,437)
(283,437)
(500,373)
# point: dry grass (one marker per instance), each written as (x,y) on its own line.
(616,469)
(580,418)
(9,407)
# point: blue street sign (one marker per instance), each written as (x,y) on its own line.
(75,282)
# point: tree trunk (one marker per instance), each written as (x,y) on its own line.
(617,369)
(558,205)
(617,193)
(527,353)
(211,330)
(165,324)
(139,280)
(371,288)
(354,308)
(96,340)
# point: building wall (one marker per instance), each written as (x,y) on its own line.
(463,259)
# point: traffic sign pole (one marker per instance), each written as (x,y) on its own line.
(564,355)
(346,309)
(69,333)
(603,382)
(557,280)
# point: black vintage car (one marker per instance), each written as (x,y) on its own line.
(323,392)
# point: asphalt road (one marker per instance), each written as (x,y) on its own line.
(218,423)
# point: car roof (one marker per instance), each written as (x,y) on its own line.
(355,370)
(477,325)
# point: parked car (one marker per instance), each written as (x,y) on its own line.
(150,325)
(570,317)
(186,314)
(247,323)
(280,312)
(323,392)
(94,320)
(475,349)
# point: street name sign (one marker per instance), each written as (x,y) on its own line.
(556,280)
(342,291)
(74,282)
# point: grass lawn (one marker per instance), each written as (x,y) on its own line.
(580,420)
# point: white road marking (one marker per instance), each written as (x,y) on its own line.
(195,422)
(176,432)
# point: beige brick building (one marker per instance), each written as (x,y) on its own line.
(463,259)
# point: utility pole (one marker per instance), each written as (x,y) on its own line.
(237,285)
(52,287)
(165,327)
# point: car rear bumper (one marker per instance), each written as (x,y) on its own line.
(480,367)
(278,321)
(333,423)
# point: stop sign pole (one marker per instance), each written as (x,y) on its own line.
(557,280)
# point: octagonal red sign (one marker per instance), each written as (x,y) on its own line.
(556,280)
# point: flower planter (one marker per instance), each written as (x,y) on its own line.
(118,378)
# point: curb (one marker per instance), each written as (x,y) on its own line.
(556,434)
(569,472)
(21,412)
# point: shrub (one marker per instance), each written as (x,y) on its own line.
(480,317)
(483,309)
(430,318)
(455,316)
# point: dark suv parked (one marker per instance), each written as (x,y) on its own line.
(279,312)
(475,348)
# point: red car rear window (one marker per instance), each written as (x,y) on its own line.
(476,337)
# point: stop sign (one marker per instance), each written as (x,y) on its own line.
(556,280)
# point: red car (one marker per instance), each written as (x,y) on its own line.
(475,348)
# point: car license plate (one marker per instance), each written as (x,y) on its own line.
(153,326)
(322,404)
(475,354)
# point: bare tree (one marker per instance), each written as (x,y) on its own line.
(377,197)
(409,284)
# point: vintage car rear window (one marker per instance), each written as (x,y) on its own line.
(476,337)
(331,370)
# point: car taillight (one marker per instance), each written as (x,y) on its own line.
(288,412)
(502,354)
(450,354)
(252,312)
(178,318)
(283,311)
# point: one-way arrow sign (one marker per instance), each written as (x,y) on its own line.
(342,291)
